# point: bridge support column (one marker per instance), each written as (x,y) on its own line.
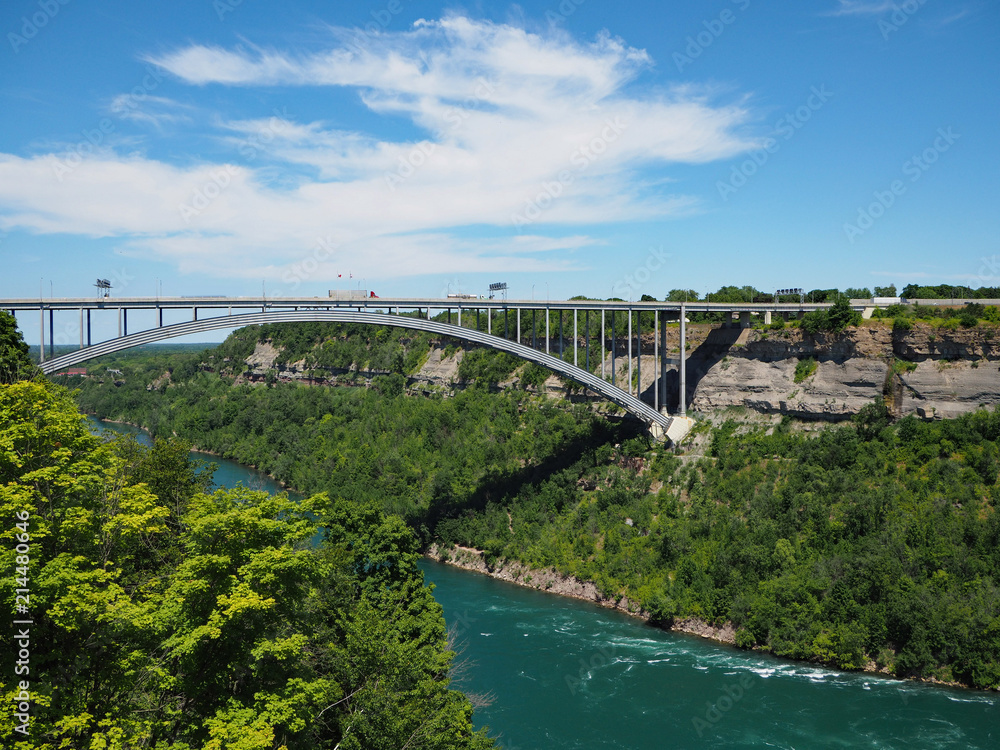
(560,334)
(534,329)
(613,346)
(576,320)
(459,317)
(125,320)
(506,317)
(745,319)
(628,388)
(604,354)
(194,313)
(767,317)
(489,320)
(663,362)
(41,334)
(547,337)
(159,316)
(519,325)
(656,358)
(81,328)
(586,325)
(89,342)
(52,333)
(682,368)
(638,356)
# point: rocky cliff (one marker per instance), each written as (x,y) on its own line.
(927,371)
(932,372)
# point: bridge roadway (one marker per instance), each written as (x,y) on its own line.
(386,311)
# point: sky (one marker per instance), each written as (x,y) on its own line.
(420,148)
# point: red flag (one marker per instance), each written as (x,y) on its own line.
(339,275)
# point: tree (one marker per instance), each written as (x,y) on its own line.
(682,295)
(841,315)
(886,291)
(180,619)
(15,362)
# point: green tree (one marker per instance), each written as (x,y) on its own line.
(15,362)
(179,619)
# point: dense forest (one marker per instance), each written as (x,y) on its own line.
(868,544)
(161,614)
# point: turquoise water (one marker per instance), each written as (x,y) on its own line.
(228,474)
(567,674)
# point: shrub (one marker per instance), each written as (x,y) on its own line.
(968,319)
(899,323)
(805,368)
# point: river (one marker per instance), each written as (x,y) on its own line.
(563,673)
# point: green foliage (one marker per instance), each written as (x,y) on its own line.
(15,364)
(805,368)
(165,617)
(899,323)
(866,541)
(858,293)
(487,366)
(832,320)
(682,295)
(534,375)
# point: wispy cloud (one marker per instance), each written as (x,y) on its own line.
(496,114)
(149,110)
(862,7)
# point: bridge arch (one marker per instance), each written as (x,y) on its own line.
(660,425)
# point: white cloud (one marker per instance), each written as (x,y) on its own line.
(504,122)
(862,7)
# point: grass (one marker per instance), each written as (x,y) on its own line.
(805,368)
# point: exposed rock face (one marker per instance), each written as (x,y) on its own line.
(263,357)
(940,389)
(946,372)
(854,368)
(837,390)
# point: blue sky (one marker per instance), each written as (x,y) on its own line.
(415,148)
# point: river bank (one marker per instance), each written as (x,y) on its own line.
(551,581)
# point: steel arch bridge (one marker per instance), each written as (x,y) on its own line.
(660,425)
